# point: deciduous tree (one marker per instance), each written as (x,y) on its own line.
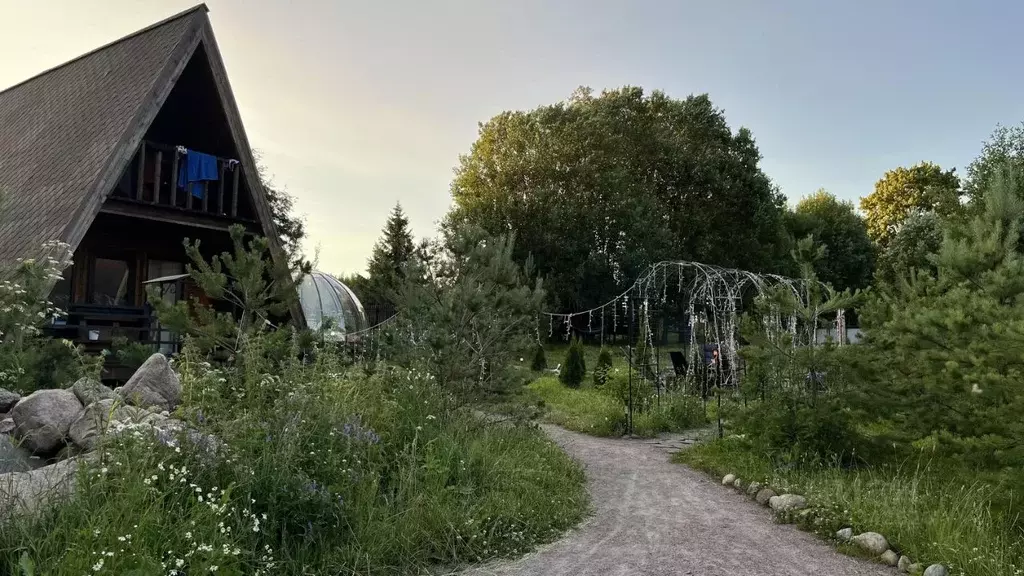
(848,258)
(598,187)
(903,191)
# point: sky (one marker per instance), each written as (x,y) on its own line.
(358,105)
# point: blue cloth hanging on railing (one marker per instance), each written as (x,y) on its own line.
(196,168)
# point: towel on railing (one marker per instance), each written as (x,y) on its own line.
(196,168)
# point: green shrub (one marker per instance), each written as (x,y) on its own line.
(575,365)
(602,368)
(620,387)
(540,361)
(683,411)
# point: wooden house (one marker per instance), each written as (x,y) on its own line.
(94,153)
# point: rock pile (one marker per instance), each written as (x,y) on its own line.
(795,507)
(47,423)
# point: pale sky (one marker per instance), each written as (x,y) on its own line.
(357,105)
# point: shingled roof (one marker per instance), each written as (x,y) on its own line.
(68,133)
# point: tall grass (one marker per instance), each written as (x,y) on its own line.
(926,509)
(319,470)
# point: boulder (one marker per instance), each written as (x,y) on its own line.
(914,568)
(754,488)
(936,570)
(889,558)
(154,384)
(14,458)
(42,419)
(764,496)
(6,425)
(787,503)
(29,491)
(844,534)
(8,399)
(872,542)
(738,483)
(728,479)
(91,424)
(89,391)
(904,564)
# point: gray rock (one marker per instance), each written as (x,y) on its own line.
(738,483)
(154,384)
(26,492)
(88,391)
(845,534)
(889,558)
(14,458)
(936,570)
(872,542)
(754,488)
(764,496)
(8,399)
(787,503)
(42,419)
(904,564)
(728,479)
(87,429)
(915,568)
(6,425)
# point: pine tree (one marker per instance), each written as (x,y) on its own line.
(540,360)
(950,343)
(391,256)
(603,367)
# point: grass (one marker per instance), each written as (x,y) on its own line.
(928,511)
(584,409)
(322,470)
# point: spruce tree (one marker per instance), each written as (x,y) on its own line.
(575,365)
(390,258)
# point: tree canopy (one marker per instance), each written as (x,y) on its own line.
(1003,149)
(848,260)
(910,248)
(597,187)
(903,191)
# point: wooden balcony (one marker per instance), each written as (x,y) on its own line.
(153,181)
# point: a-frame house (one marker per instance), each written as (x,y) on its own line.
(94,153)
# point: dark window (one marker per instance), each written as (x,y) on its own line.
(111,282)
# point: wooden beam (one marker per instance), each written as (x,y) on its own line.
(237,172)
(188,194)
(156,176)
(161,214)
(220,187)
(174,178)
(206,195)
(142,171)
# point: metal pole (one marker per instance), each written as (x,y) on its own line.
(629,346)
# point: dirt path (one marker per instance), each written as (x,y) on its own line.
(653,517)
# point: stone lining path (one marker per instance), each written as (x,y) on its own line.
(653,517)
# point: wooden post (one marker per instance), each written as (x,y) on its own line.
(174,178)
(206,196)
(234,189)
(220,187)
(156,176)
(142,170)
(188,194)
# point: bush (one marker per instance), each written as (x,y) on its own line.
(575,367)
(540,361)
(602,368)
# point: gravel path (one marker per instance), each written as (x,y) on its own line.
(653,517)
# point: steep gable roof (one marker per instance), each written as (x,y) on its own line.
(68,134)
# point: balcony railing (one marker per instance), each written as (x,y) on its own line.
(155,181)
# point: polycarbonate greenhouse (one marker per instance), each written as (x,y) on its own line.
(324,298)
